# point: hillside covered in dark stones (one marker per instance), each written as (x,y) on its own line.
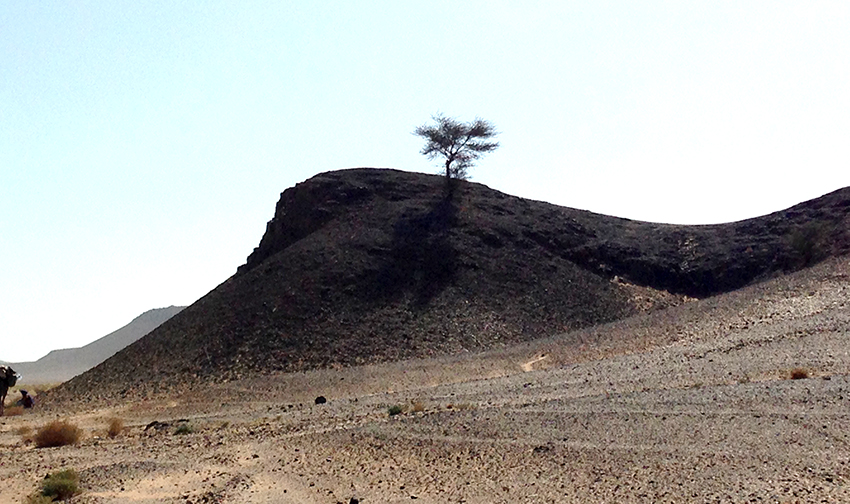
(367,265)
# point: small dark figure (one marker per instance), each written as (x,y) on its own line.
(26,400)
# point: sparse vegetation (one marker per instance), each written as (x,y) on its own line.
(14,411)
(395,410)
(116,425)
(459,143)
(808,244)
(57,433)
(184,428)
(799,374)
(418,406)
(61,485)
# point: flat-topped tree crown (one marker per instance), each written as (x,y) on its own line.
(458,142)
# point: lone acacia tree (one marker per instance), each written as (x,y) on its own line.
(459,143)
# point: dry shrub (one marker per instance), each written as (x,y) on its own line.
(57,433)
(799,374)
(116,425)
(418,406)
(14,411)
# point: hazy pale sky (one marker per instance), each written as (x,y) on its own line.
(143,145)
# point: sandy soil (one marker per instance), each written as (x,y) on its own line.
(689,405)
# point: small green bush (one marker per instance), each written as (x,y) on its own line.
(395,410)
(808,244)
(61,485)
(184,428)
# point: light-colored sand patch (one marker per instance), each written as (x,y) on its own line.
(529,365)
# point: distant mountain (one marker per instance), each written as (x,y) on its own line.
(61,365)
(368,265)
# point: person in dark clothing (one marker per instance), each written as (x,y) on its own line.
(26,400)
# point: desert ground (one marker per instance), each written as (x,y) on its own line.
(690,404)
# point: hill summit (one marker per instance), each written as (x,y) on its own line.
(367,265)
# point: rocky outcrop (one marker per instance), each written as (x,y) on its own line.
(367,265)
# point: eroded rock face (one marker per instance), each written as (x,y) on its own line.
(369,265)
(304,209)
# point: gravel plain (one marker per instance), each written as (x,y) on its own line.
(689,404)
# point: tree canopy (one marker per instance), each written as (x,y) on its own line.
(459,143)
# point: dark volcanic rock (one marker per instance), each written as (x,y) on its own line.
(367,265)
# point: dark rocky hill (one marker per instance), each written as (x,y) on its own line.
(60,365)
(366,265)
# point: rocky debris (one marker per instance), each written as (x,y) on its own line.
(690,404)
(157,425)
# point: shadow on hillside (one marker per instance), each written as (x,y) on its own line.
(421,260)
